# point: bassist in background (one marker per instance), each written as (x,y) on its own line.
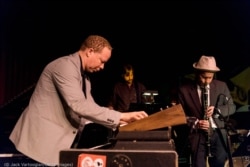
(127,91)
(220,104)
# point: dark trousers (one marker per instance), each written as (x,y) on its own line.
(218,152)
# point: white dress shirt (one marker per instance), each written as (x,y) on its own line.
(213,125)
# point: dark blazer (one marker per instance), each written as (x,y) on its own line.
(123,96)
(219,96)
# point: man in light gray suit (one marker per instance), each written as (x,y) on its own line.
(62,101)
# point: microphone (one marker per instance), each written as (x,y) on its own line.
(217,113)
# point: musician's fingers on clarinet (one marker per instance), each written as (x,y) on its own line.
(203,124)
(210,111)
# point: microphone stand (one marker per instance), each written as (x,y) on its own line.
(230,158)
(228,127)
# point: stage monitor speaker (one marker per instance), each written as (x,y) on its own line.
(118,158)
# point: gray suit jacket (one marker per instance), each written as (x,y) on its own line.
(49,123)
(219,93)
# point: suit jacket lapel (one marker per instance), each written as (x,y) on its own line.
(195,98)
(212,94)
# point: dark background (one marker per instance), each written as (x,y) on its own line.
(162,39)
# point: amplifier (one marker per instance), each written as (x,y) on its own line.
(145,145)
(118,158)
(154,135)
(144,140)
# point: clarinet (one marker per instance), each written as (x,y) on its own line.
(205,106)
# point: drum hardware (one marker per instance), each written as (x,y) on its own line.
(237,138)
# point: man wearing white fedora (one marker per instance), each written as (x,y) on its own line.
(208,102)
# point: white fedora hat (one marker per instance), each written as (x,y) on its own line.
(206,63)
